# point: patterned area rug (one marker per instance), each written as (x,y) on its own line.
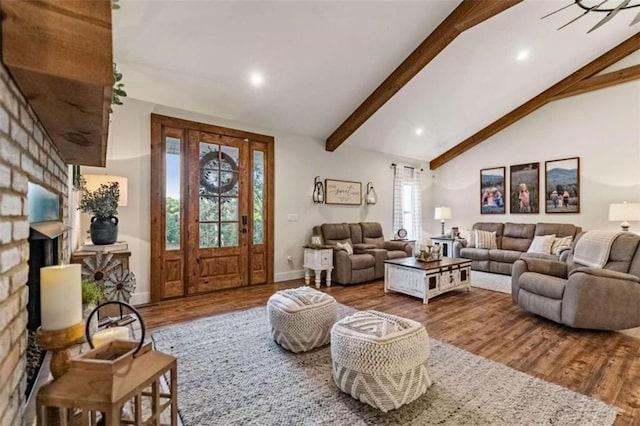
(230,372)
(493,282)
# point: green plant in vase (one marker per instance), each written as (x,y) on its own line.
(103,204)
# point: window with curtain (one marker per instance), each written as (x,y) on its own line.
(407,202)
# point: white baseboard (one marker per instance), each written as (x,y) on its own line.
(139,298)
(289,275)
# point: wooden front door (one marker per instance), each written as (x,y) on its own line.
(211,208)
(218,212)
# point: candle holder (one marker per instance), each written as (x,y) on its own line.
(58,342)
(121,320)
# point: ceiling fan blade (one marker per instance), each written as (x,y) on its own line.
(562,8)
(587,11)
(610,15)
(635,20)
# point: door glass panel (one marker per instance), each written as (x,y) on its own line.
(229,209)
(208,235)
(229,160)
(209,169)
(172,193)
(258,197)
(228,234)
(218,175)
(209,156)
(208,209)
(229,183)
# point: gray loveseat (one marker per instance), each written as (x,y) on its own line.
(370,250)
(512,240)
(566,292)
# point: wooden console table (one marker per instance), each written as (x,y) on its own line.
(426,279)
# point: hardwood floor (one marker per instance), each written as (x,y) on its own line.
(604,365)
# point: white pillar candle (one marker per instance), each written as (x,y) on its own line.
(61,296)
(103,337)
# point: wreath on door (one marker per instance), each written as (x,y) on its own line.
(210,180)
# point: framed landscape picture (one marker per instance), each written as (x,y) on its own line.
(492,191)
(524,188)
(342,192)
(562,185)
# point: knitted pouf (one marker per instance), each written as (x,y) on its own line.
(301,318)
(380,359)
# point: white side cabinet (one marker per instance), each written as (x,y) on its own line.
(318,260)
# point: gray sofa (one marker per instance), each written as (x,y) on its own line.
(369,246)
(583,297)
(512,240)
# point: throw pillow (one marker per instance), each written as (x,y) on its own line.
(346,246)
(485,239)
(561,244)
(471,238)
(542,244)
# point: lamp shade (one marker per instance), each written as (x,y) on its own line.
(624,211)
(93,182)
(443,213)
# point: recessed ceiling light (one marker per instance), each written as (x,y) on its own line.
(522,55)
(256,79)
(419,131)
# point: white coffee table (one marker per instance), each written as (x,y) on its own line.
(426,279)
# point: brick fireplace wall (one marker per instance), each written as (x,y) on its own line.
(26,154)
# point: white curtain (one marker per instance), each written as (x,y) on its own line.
(407,175)
(417,205)
(398,180)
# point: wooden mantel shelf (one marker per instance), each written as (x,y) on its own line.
(60,55)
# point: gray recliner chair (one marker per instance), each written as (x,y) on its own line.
(605,298)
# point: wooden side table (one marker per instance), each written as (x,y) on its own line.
(317,260)
(86,390)
(122,255)
(446,243)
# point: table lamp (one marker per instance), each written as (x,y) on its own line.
(625,212)
(443,213)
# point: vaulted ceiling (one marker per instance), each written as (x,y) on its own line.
(321,60)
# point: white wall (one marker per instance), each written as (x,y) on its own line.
(298,160)
(600,127)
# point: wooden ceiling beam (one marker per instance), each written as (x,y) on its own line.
(611,57)
(468,14)
(601,81)
(60,55)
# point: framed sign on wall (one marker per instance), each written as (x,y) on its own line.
(342,192)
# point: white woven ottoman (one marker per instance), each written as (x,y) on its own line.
(380,359)
(301,318)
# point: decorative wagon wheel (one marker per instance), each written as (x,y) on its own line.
(119,286)
(99,267)
(208,181)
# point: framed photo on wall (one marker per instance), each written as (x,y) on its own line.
(342,192)
(492,191)
(562,185)
(524,188)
